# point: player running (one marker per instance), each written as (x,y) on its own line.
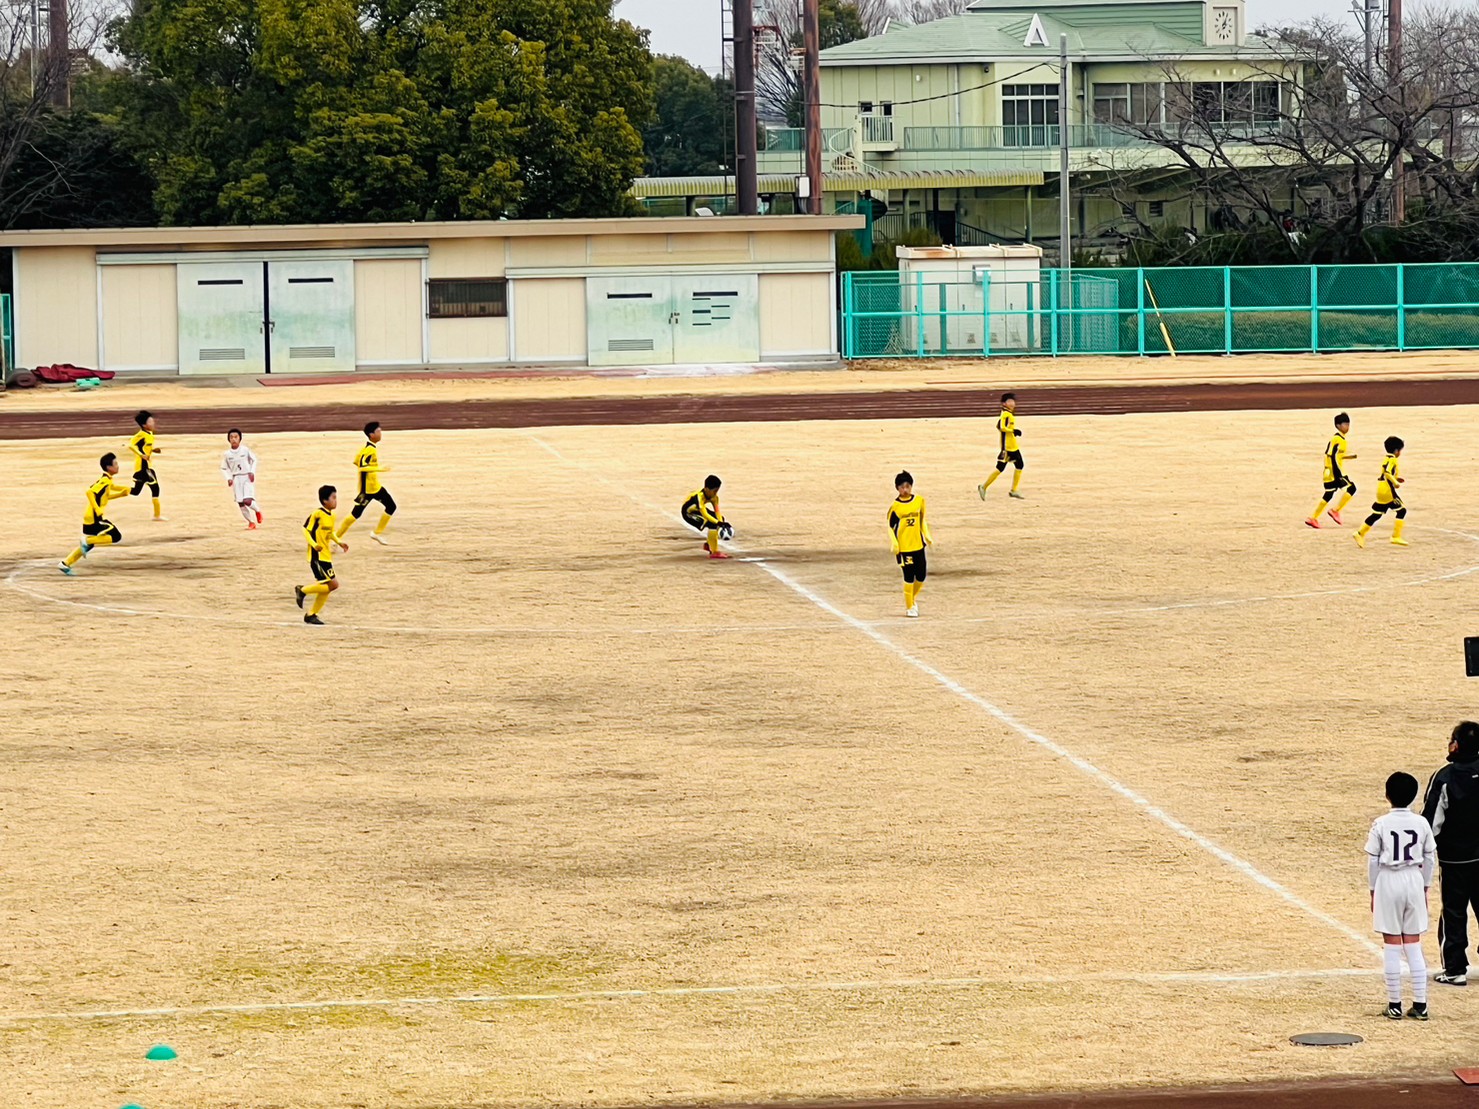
(367,462)
(239,467)
(1006,428)
(910,536)
(1336,479)
(97,529)
(144,449)
(1387,497)
(1400,854)
(319,531)
(701,512)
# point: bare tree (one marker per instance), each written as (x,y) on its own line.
(35,90)
(1316,129)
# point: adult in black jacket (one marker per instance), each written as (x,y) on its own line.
(1451,805)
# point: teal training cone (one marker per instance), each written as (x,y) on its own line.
(160,1051)
(133,1107)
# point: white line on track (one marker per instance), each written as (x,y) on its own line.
(1078,762)
(1150,978)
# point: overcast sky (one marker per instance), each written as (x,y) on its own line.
(691,27)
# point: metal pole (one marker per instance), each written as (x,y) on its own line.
(58,55)
(1394,79)
(811,40)
(746,180)
(1065,229)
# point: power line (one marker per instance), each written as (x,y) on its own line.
(948,95)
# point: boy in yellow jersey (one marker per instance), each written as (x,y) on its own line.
(144,450)
(367,462)
(97,530)
(318,529)
(1006,428)
(701,512)
(911,535)
(1336,479)
(1387,496)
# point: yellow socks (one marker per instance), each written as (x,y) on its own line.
(914,597)
(158,511)
(344,526)
(382,525)
(318,601)
(317,589)
(908,594)
(994,475)
(73,558)
(1397,533)
(1016,479)
(1344,500)
(1320,506)
(713,540)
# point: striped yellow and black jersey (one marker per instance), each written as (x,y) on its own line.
(142,447)
(703,505)
(1386,485)
(1006,428)
(318,529)
(99,493)
(1335,452)
(906,521)
(367,462)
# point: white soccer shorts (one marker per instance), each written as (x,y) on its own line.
(1400,909)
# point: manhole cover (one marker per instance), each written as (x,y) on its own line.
(1325,1039)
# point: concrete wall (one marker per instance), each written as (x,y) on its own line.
(388,310)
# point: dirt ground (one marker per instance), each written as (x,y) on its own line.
(883,374)
(675,830)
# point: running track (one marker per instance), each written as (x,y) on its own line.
(902,404)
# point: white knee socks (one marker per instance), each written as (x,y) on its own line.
(1417,966)
(1391,965)
(248,512)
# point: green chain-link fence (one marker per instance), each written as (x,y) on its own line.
(1200,310)
(7,338)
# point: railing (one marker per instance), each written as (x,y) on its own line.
(1097,135)
(877,130)
(792,140)
(7,339)
(1186,310)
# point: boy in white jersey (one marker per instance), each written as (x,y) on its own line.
(1400,855)
(239,466)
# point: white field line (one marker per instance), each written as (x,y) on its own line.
(1150,978)
(1078,762)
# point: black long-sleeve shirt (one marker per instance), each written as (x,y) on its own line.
(1451,805)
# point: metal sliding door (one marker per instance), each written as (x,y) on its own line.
(310,316)
(221,318)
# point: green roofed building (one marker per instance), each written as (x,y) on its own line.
(955,124)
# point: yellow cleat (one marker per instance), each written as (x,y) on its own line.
(1399,541)
(1360,540)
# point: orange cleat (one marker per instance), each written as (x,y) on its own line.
(717,554)
(1310,521)
(1335,516)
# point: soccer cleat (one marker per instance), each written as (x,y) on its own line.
(298,595)
(1399,541)
(1394,1010)
(312,619)
(912,611)
(85,547)
(1019,496)
(378,538)
(1311,522)
(64,568)
(1458,978)
(981,491)
(259,517)
(161,519)
(1334,515)
(1419,1011)
(1360,540)
(717,554)
(251,527)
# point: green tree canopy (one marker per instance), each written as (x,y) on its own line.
(285,111)
(688,134)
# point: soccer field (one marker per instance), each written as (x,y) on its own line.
(556,811)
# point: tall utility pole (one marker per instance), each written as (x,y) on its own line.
(58,54)
(1394,79)
(811,41)
(1065,226)
(746,179)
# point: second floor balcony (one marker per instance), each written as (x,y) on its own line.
(1099,136)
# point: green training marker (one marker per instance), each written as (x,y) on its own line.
(133,1107)
(160,1051)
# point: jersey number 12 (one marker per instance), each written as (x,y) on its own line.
(1404,854)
